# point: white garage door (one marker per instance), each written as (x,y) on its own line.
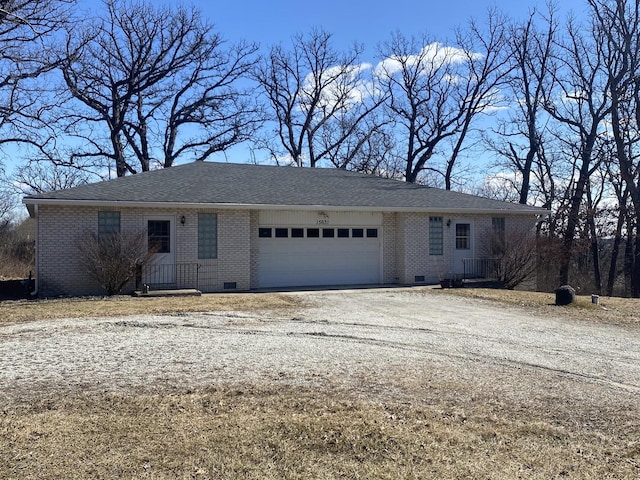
(306,256)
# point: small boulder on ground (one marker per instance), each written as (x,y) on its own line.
(565,295)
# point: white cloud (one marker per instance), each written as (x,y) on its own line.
(351,86)
(431,58)
(346,86)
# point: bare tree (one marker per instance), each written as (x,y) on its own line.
(595,190)
(487,65)
(578,100)
(417,74)
(146,76)
(40,176)
(7,204)
(622,216)
(355,143)
(435,92)
(498,187)
(321,101)
(375,153)
(27,41)
(519,138)
(207,97)
(619,22)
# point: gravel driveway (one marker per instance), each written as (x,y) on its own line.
(378,342)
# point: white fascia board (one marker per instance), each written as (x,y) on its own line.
(32,208)
(240,206)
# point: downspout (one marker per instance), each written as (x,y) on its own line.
(34,294)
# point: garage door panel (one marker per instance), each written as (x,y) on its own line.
(293,247)
(318,261)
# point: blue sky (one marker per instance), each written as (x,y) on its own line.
(368,22)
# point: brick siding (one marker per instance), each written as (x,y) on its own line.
(60,270)
(405,248)
(389,250)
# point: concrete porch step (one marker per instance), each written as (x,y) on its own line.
(181,292)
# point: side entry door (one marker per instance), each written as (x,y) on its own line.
(161,270)
(462,243)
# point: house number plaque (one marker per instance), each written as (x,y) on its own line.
(323,219)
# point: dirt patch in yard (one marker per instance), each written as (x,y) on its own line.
(616,310)
(12,312)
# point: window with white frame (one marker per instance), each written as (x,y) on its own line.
(207,235)
(436,233)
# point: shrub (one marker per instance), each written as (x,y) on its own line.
(516,257)
(112,259)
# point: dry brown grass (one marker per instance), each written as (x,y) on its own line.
(622,311)
(432,429)
(611,309)
(12,268)
(30,310)
(285,433)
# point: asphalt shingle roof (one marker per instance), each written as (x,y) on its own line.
(231,184)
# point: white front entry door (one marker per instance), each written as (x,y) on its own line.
(161,240)
(462,243)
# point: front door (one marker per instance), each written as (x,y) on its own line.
(462,243)
(161,270)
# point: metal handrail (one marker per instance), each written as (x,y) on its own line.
(168,275)
(483,267)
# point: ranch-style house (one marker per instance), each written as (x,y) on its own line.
(237,227)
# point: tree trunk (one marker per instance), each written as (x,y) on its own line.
(593,234)
(628,261)
(615,251)
(595,256)
(526,173)
(635,277)
(574,216)
(118,150)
